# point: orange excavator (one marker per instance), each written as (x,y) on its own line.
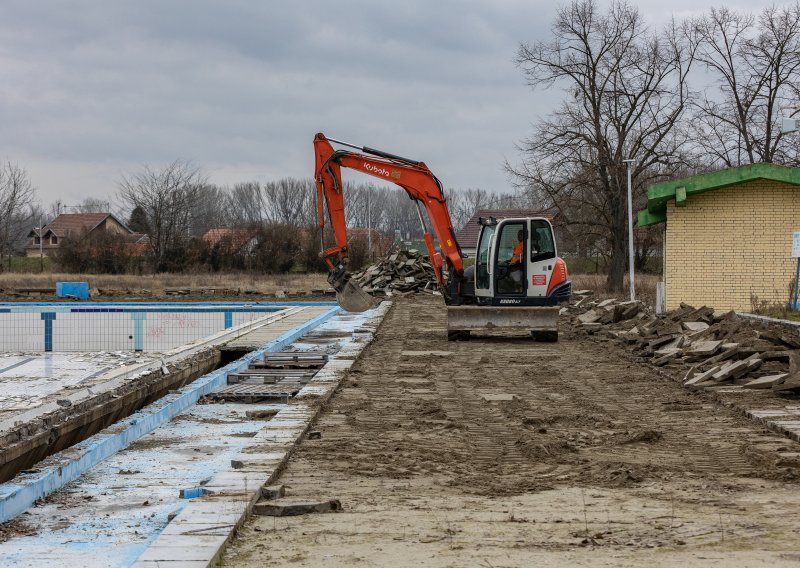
(517,281)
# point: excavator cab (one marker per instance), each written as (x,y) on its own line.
(518,280)
(517,264)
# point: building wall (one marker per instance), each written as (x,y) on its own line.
(110,224)
(728,244)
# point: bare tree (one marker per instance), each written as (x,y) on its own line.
(463,204)
(401,214)
(93,205)
(208,209)
(756,66)
(167,196)
(366,205)
(625,89)
(246,204)
(290,201)
(17,196)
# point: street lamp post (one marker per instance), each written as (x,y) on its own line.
(369,228)
(41,255)
(629,162)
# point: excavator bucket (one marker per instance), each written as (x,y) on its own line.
(352,298)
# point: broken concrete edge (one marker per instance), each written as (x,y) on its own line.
(117,377)
(293,509)
(159,550)
(767,422)
(766,319)
(17,497)
(771,423)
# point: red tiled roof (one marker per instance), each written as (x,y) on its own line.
(68,223)
(468,235)
(237,236)
(74,224)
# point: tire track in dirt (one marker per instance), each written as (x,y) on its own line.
(507,415)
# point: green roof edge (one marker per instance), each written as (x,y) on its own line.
(660,193)
(646,218)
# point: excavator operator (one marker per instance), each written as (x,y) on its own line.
(516,256)
(515,264)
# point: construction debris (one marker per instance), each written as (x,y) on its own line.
(273,509)
(276,376)
(713,349)
(272,492)
(400,273)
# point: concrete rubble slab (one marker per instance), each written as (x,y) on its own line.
(499,397)
(160,553)
(699,381)
(731,371)
(704,348)
(766,382)
(591,316)
(695,326)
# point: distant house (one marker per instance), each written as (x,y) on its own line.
(46,240)
(137,244)
(468,235)
(236,240)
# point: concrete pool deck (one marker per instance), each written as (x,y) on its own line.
(29,380)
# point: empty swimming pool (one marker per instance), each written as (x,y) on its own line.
(94,326)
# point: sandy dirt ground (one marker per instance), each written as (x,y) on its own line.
(503,452)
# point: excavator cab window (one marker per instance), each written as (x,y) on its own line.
(542,244)
(482,279)
(510,258)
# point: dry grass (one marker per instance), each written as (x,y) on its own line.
(268,284)
(158,282)
(645,286)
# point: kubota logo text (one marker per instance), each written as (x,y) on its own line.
(376,169)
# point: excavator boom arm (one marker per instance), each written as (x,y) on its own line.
(414,177)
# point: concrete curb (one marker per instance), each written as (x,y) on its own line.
(766,319)
(198,535)
(17,497)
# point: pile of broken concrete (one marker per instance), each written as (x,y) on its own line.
(713,349)
(401,273)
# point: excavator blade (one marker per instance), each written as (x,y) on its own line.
(352,298)
(540,321)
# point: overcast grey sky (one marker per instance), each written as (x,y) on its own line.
(92,89)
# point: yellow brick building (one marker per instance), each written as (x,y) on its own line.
(728,237)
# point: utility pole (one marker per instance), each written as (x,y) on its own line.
(629,162)
(41,247)
(369,227)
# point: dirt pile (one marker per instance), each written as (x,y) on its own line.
(713,349)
